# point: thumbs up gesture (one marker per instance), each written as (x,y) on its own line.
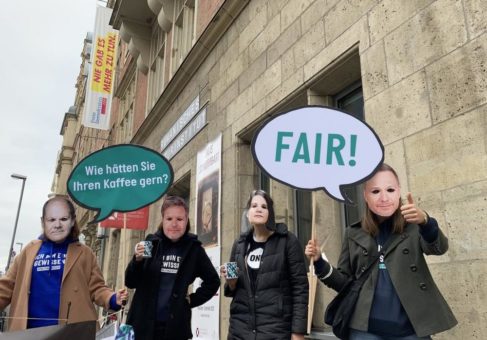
(411,213)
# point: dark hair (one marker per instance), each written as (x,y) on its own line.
(271,220)
(174,201)
(370,221)
(74,234)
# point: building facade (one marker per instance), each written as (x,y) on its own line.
(415,71)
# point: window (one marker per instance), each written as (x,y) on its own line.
(125,122)
(338,85)
(119,64)
(264,181)
(352,101)
(303,215)
(156,70)
(183,30)
(113,257)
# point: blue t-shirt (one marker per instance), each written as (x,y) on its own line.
(45,285)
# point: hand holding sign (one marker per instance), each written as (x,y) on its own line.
(312,250)
(122,178)
(317,147)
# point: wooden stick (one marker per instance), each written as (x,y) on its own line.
(124,250)
(124,238)
(311,275)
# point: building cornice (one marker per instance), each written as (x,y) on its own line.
(218,25)
(67,116)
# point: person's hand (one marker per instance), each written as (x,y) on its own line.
(413,214)
(122,296)
(232,283)
(139,251)
(312,250)
(296,336)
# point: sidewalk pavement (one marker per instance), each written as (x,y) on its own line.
(321,336)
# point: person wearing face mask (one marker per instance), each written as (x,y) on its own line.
(270,295)
(161,307)
(55,279)
(399,299)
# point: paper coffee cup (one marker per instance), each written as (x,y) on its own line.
(232,270)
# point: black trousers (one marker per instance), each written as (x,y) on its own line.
(159,330)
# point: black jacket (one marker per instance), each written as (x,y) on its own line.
(280,304)
(144,277)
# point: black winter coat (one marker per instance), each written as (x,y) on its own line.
(144,276)
(280,304)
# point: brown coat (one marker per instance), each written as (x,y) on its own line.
(82,284)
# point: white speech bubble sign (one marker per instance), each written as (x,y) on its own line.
(317,147)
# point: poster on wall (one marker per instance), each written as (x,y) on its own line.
(205,320)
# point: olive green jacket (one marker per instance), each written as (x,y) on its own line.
(426,308)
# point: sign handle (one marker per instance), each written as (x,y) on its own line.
(311,275)
(124,250)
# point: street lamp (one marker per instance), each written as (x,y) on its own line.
(23,178)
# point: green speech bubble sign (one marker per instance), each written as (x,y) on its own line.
(123,178)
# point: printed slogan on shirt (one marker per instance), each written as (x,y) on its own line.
(170,264)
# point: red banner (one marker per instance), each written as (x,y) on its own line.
(137,219)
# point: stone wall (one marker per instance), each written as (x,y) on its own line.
(423,68)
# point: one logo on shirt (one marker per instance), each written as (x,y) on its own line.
(170,264)
(254,257)
(42,262)
(382,265)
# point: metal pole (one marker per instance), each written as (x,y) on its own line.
(23,178)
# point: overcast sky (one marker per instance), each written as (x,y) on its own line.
(39,62)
